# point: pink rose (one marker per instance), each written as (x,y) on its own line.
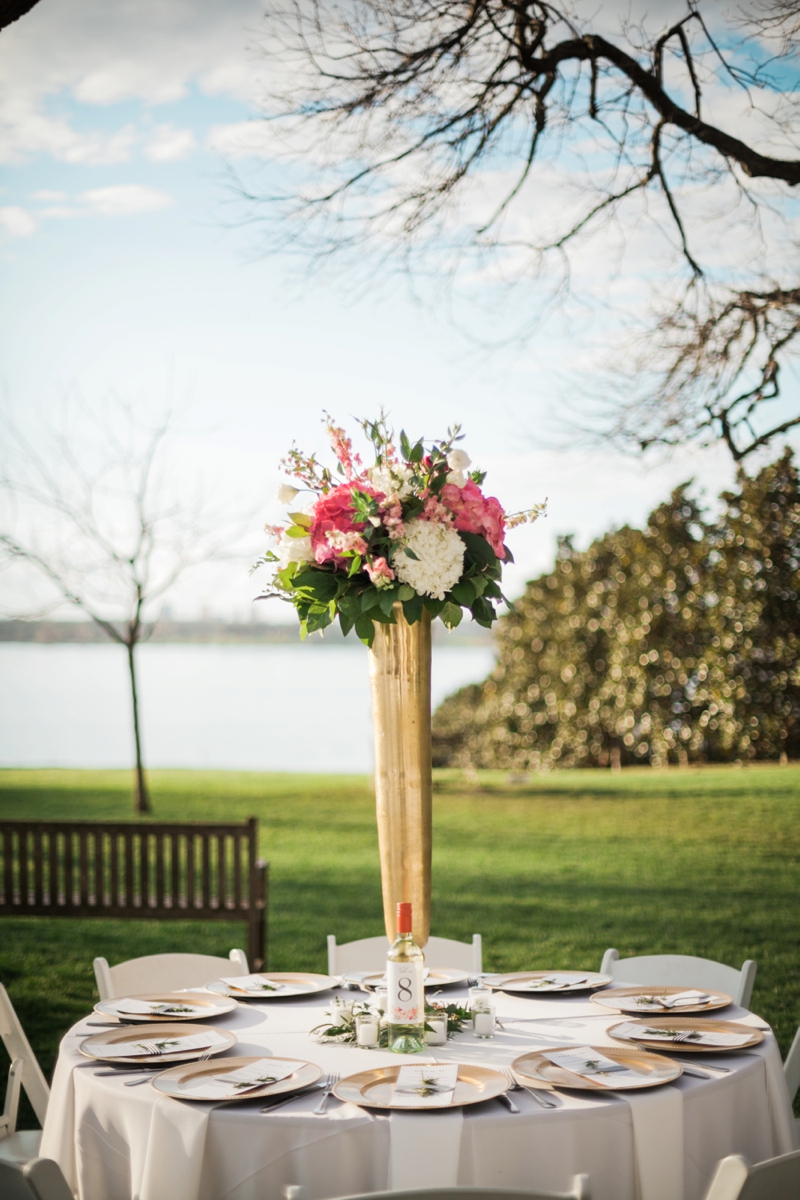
(379,571)
(476,513)
(335,511)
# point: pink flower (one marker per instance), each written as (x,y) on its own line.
(343,449)
(379,572)
(346,541)
(434,510)
(335,511)
(476,513)
(392,517)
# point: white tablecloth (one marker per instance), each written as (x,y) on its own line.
(120,1143)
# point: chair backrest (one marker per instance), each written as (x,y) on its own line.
(40,1179)
(775,1179)
(18,1047)
(580,1190)
(164,973)
(791,1067)
(369,954)
(682,970)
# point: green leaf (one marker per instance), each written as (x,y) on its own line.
(493,590)
(483,612)
(318,618)
(301,519)
(417,453)
(407,550)
(346,622)
(451,615)
(296,531)
(365,630)
(433,606)
(479,549)
(355,565)
(413,608)
(370,598)
(509,558)
(405,592)
(464,592)
(405,445)
(388,598)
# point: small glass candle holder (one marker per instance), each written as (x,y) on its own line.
(368,1029)
(480,997)
(382,999)
(483,1022)
(340,1010)
(437,1034)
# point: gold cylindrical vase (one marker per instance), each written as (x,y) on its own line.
(400,683)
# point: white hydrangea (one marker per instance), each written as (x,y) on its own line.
(294,550)
(393,479)
(439,562)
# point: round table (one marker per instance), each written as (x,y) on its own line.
(131,1143)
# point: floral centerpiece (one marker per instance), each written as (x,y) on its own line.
(341,1027)
(412,528)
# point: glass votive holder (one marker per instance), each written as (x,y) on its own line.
(483,1022)
(437,1034)
(340,1010)
(382,999)
(368,1029)
(480,997)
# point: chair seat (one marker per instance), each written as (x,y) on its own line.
(22,1146)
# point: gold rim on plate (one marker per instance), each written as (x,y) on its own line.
(437,977)
(298,984)
(127,1033)
(610,998)
(515,981)
(218,1006)
(702,1025)
(533,1068)
(373,1089)
(169,1081)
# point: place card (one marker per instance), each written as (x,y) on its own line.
(592,1064)
(552,983)
(253,984)
(428,1086)
(693,1037)
(155,1046)
(246,1079)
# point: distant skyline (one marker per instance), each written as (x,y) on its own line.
(125,269)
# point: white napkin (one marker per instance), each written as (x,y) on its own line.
(551,983)
(691,997)
(253,983)
(412,1082)
(654,1002)
(691,1037)
(592,1064)
(142,1007)
(244,1080)
(174,1044)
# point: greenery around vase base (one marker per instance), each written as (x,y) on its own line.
(345,1032)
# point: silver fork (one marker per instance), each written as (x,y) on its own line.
(330,1084)
(544,1101)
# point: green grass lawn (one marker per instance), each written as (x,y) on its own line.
(551,872)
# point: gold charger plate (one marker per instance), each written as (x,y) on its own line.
(438,977)
(624,1000)
(296,984)
(373,1089)
(213,1006)
(655,1069)
(126,1033)
(519,982)
(701,1024)
(169,1082)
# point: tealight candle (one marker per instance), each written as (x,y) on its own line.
(483,1022)
(437,1034)
(367,1029)
(382,999)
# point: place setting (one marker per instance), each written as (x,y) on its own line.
(243,1078)
(593,1068)
(176,1043)
(422,1086)
(277,985)
(687,1035)
(547,982)
(161,1006)
(661,999)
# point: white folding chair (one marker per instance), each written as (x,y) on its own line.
(164,973)
(40,1179)
(682,970)
(369,954)
(25,1072)
(775,1179)
(791,1069)
(580,1190)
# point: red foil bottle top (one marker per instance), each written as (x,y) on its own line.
(404,917)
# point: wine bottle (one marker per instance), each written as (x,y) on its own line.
(406,994)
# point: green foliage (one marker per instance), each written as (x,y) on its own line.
(679,642)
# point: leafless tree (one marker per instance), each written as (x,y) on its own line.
(456,129)
(96,517)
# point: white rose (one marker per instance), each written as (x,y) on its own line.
(286,493)
(294,550)
(456,477)
(458,460)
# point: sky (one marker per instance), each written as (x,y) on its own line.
(126,269)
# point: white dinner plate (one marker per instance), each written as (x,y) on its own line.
(535,983)
(100,1046)
(293,984)
(173,1082)
(436,978)
(199,1006)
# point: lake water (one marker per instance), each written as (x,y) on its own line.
(239,707)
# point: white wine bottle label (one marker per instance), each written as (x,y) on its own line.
(406,996)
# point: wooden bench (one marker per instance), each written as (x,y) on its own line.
(142,870)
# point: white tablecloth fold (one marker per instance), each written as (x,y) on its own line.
(657,1117)
(425,1149)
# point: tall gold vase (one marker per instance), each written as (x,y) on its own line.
(400,682)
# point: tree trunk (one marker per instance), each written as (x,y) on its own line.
(142,797)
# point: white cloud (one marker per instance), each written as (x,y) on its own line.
(168,144)
(242,139)
(16,221)
(124,200)
(49,197)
